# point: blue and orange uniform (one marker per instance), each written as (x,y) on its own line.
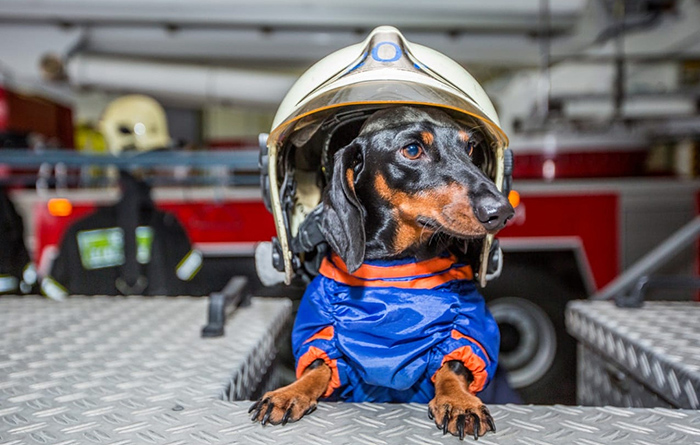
(387,328)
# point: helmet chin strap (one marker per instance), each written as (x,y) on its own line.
(503,181)
(484,264)
(278,217)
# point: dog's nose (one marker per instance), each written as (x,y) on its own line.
(493,213)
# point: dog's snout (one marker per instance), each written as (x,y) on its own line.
(493,212)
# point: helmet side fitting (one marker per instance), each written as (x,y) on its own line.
(331,100)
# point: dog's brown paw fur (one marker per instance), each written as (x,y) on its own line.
(461,415)
(282,405)
(292,402)
(456,410)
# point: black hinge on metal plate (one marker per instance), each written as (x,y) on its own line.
(635,298)
(224,303)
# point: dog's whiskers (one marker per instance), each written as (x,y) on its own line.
(420,237)
(439,235)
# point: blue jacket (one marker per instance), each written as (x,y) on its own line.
(387,328)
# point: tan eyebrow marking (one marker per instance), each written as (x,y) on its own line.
(427,137)
(350,176)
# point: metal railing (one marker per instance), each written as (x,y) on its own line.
(69,168)
(234,159)
(629,288)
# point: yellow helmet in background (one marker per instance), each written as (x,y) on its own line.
(89,139)
(329,102)
(134,123)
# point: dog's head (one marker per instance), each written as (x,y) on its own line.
(410,174)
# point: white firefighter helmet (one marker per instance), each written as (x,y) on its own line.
(328,103)
(134,123)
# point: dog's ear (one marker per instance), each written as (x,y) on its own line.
(344,217)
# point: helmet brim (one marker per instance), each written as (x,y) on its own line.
(386,93)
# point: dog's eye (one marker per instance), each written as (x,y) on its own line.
(470,148)
(412,151)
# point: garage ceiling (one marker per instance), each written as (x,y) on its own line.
(281,38)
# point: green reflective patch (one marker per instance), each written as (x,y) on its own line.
(144,241)
(105,247)
(101,248)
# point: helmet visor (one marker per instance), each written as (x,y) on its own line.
(388,93)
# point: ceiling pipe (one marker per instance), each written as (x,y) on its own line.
(496,15)
(194,83)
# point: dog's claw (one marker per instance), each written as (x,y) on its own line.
(287,414)
(268,413)
(257,406)
(461,420)
(490,423)
(477,424)
(311,409)
(253,406)
(489,420)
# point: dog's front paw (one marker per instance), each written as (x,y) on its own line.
(281,406)
(461,415)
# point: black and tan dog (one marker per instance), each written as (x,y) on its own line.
(408,186)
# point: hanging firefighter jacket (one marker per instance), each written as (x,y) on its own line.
(130,248)
(17,273)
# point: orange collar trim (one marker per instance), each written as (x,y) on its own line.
(370,272)
(426,274)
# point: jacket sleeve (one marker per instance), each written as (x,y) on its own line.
(313,336)
(57,285)
(182,261)
(474,340)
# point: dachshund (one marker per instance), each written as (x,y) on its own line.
(394,315)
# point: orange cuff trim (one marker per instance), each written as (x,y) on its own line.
(458,335)
(324,334)
(330,270)
(314,354)
(473,363)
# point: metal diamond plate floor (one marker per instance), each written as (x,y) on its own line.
(135,371)
(99,348)
(218,422)
(658,344)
